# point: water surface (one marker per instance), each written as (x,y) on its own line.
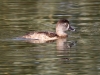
(78,54)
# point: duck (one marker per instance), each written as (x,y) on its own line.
(61,27)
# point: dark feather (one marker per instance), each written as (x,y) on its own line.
(50,34)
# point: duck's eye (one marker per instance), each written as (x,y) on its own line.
(65,24)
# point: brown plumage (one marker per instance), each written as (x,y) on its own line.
(50,34)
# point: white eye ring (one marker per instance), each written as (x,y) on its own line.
(67,27)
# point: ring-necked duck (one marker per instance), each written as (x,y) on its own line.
(62,26)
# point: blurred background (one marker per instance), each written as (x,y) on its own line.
(17,17)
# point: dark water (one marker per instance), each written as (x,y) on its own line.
(17,57)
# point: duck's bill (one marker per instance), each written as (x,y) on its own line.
(71,28)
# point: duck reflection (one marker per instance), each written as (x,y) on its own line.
(62,45)
(63,48)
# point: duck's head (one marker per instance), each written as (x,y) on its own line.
(62,26)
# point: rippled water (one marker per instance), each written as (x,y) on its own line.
(79,54)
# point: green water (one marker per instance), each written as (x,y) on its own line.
(17,17)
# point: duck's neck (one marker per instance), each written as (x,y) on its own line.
(61,33)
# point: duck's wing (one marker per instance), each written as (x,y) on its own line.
(49,34)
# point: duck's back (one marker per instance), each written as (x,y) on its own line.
(41,36)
